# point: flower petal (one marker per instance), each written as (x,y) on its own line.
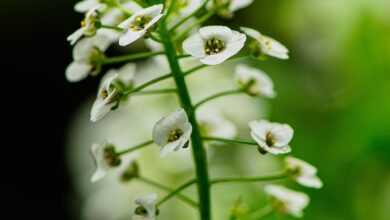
(77,71)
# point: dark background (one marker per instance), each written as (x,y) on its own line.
(37,104)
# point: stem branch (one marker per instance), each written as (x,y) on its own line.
(220,94)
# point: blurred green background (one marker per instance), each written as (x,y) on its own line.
(334,91)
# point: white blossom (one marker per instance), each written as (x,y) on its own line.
(125,74)
(287,201)
(303,172)
(172,132)
(138,24)
(146,207)
(86,55)
(213,124)
(214,44)
(107,98)
(226,8)
(104,158)
(254,81)
(267,45)
(271,137)
(86,5)
(88,26)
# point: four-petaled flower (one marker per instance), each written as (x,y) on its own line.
(303,172)
(86,57)
(88,26)
(287,201)
(271,137)
(146,207)
(107,99)
(138,24)
(172,132)
(105,158)
(254,81)
(226,8)
(266,45)
(214,44)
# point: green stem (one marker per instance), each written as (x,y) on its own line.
(231,141)
(261,213)
(111,27)
(137,147)
(215,96)
(176,191)
(279,176)
(131,57)
(198,150)
(155,92)
(194,69)
(178,24)
(122,9)
(183,198)
(147,84)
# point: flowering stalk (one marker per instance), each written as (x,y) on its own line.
(199,153)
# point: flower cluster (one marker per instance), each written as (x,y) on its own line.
(174,29)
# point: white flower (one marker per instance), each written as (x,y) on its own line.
(287,201)
(214,44)
(138,24)
(88,26)
(172,132)
(105,159)
(107,98)
(146,207)
(213,124)
(303,172)
(86,55)
(271,137)
(86,5)
(125,74)
(254,81)
(266,45)
(226,8)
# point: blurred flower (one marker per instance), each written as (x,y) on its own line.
(138,24)
(254,81)
(214,44)
(172,132)
(125,75)
(129,171)
(266,45)
(287,201)
(105,159)
(107,97)
(213,124)
(303,172)
(88,26)
(271,137)
(146,207)
(86,56)
(186,7)
(226,8)
(155,46)
(86,5)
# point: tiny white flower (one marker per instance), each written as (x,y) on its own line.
(138,24)
(86,55)
(271,137)
(287,201)
(86,5)
(213,124)
(105,159)
(214,44)
(172,132)
(88,26)
(107,98)
(303,172)
(146,207)
(254,81)
(266,45)
(226,8)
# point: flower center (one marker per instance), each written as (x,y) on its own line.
(110,157)
(214,46)
(175,135)
(140,22)
(140,210)
(269,139)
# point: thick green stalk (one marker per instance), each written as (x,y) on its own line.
(198,150)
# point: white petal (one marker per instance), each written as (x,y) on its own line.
(77,71)
(251,32)
(217,31)
(191,7)
(86,5)
(239,4)
(127,72)
(194,46)
(97,151)
(75,36)
(130,37)
(273,48)
(263,84)
(149,203)
(260,128)
(100,109)
(282,134)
